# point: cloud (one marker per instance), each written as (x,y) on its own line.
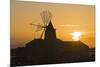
(75,25)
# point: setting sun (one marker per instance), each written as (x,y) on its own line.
(49,33)
(76,36)
(66,20)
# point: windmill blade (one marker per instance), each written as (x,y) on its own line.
(46,17)
(39,27)
(42,34)
(43,17)
(36,25)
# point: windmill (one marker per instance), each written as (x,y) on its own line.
(46,18)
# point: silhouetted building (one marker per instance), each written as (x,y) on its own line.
(50,33)
(50,51)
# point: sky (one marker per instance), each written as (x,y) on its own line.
(66,19)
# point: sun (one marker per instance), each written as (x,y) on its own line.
(76,36)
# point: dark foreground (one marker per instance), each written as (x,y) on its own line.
(38,52)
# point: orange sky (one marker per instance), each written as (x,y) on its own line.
(66,18)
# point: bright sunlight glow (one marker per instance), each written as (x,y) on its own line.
(76,36)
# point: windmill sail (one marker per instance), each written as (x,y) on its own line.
(47,25)
(46,17)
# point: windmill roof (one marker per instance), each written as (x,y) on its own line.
(50,25)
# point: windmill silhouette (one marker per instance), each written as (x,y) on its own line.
(47,28)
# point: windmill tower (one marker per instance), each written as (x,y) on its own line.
(47,28)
